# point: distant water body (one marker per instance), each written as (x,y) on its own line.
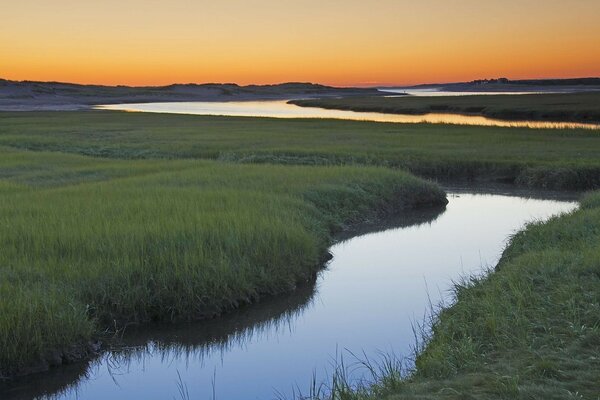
(438,93)
(281,109)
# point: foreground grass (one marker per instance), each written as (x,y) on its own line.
(90,244)
(528,330)
(570,107)
(559,159)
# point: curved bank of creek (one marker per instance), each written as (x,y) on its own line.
(366,301)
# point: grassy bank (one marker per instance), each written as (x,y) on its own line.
(90,244)
(558,159)
(567,107)
(528,330)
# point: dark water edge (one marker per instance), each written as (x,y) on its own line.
(508,189)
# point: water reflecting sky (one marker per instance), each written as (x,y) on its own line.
(436,92)
(281,109)
(377,285)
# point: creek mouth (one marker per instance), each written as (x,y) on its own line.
(377,286)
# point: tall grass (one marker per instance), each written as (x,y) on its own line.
(163,240)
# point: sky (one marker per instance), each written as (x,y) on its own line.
(335,42)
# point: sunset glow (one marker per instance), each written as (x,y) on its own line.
(349,42)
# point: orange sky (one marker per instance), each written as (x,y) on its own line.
(337,42)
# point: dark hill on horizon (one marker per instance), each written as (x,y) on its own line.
(32,95)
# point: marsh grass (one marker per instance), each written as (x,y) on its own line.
(155,240)
(551,158)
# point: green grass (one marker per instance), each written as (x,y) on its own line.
(90,244)
(559,159)
(570,107)
(528,330)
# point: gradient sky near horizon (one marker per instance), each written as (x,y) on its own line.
(336,42)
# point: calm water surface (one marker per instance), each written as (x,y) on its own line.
(376,287)
(281,109)
(439,93)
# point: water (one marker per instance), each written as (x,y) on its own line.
(437,92)
(378,284)
(281,109)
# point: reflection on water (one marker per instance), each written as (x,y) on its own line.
(281,109)
(376,286)
(440,93)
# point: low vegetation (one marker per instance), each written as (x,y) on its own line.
(90,244)
(570,107)
(529,330)
(548,158)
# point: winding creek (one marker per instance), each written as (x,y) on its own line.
(281,109)
(378,285)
